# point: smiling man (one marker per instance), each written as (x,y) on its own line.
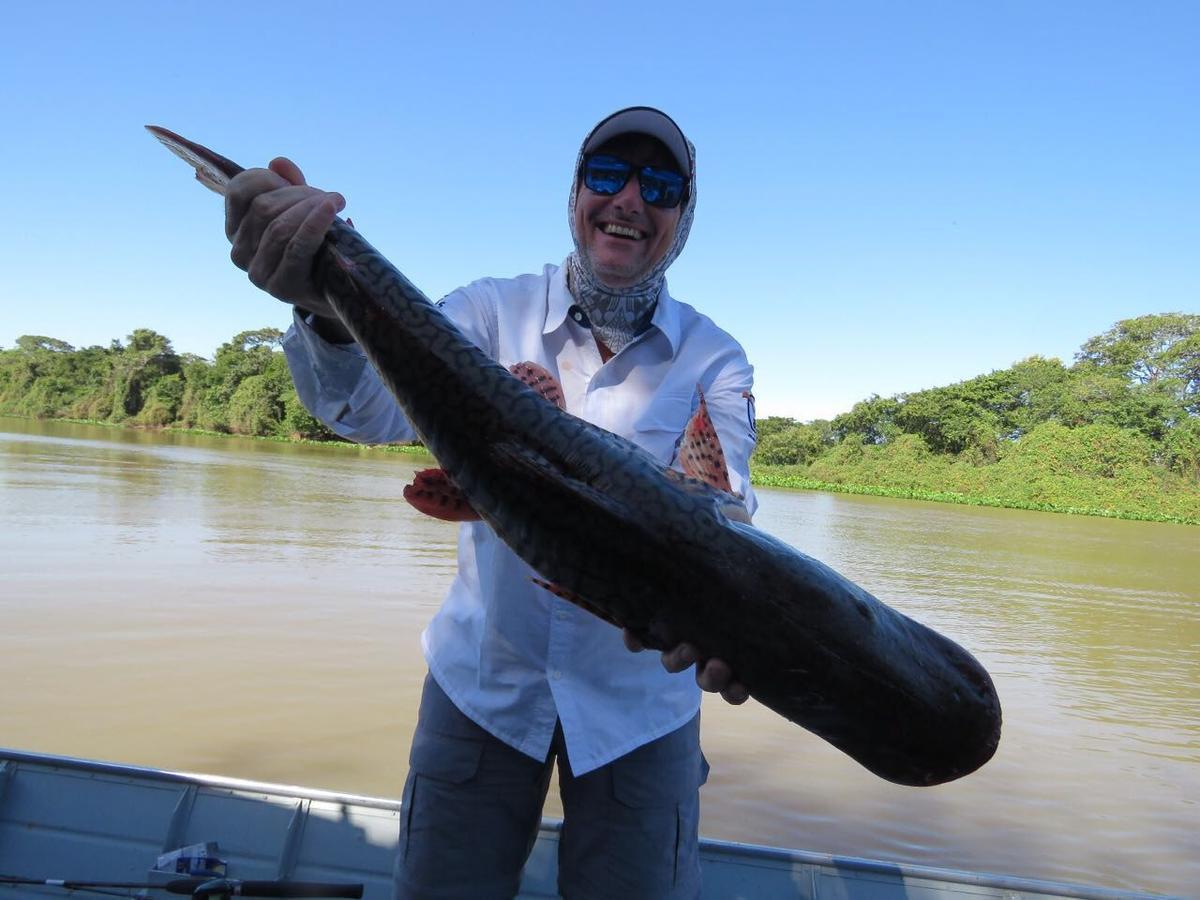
(519,678)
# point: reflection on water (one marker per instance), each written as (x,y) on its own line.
(253,609)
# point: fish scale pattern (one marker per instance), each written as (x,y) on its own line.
(602,520)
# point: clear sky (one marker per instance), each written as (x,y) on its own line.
(892,196)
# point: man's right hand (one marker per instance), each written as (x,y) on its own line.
(276,223)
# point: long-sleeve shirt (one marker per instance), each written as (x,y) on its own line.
(512,656)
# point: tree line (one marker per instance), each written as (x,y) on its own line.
(246,388)
(1117,429)
(1116,432)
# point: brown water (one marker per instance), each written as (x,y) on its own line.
(253,609)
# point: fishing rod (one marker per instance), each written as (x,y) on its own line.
(207,887)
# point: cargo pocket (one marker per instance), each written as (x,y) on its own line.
(438,765)
(445,757)
(638,787)
(663,805)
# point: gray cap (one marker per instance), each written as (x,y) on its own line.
(643,120)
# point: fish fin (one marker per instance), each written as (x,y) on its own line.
(571,596)
(529,463)
(541,381)
(435,494)
(735,510)
(560,489)
(700,451)
(733,506)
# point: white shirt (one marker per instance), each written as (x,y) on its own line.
(513,657)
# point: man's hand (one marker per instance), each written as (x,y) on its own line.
(713,675)
(276,223)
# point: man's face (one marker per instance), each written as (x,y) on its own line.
(623,235)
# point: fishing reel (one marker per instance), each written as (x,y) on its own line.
(197,871)
(204,876)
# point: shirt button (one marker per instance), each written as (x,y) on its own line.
(557,674)
(561,615)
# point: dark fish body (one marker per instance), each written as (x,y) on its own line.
(602,519)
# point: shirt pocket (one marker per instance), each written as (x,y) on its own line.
(659,428)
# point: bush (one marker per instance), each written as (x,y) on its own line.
(255,408)
(1182,448)
(162,402)
(792,445)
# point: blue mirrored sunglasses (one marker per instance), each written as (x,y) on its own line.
(605,174)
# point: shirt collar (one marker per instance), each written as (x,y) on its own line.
(559,302)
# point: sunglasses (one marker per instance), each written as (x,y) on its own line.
(605,174)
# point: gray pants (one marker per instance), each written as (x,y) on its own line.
(472,806)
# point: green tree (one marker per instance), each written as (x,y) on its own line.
(271,338)
(246,355)
(163,401)
(93,367)
(949,420)
(792,445)
(196,373)
(46,377)
(34,342)
(136,367)
(773,424)
(870,421)
(254,408)
(298,422)
(1161,349)
(1022,396)
(1096,396)
(1182,448)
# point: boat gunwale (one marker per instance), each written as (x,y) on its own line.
(710,848)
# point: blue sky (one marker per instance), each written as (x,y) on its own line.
(892,196)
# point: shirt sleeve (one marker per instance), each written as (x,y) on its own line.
(337,384)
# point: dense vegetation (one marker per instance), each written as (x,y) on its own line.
(1115,433)
(246,389)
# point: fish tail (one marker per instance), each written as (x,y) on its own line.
(213,170)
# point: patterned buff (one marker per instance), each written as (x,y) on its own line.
(618,315)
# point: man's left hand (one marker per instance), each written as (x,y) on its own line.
(713,675)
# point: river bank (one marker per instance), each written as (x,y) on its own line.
(780,477)
(1065,493)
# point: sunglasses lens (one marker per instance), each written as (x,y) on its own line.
(661,187)
(606,174)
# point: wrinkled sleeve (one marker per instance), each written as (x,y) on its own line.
(337,384)
(730,400)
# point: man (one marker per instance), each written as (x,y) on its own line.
(520,678)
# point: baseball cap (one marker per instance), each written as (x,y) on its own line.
(642,120)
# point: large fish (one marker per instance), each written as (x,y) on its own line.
(664,555)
